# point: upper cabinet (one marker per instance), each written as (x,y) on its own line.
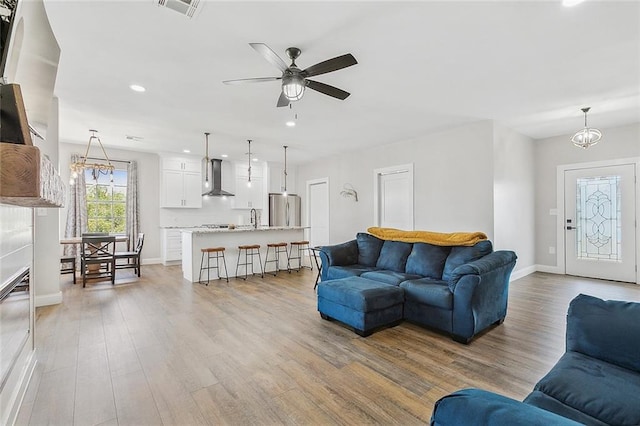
(181,182)
(249,197)
(277,179)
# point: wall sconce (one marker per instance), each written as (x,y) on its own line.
(349,192)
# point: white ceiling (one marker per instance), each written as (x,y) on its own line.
(423,67)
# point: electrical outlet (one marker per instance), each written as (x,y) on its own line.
(552,250)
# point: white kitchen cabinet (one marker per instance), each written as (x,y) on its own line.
(181,183)
(171,246)
(249,197)
(276,178)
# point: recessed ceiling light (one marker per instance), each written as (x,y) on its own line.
(186,151)
(224,155)
(137,88)
(290,123)
(569,3)
(255,159)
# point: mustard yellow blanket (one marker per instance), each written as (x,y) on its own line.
(435,238)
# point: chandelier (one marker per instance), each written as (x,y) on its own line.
(586,137)
(97,169)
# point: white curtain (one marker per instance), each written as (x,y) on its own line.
(77,211)
(133,220)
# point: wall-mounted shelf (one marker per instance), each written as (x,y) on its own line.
(27,178)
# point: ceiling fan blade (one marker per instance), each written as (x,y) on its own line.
(252,80)
(330,65)
(328,90)
(283,101)
(269,55)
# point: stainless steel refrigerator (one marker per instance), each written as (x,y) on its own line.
(284,210)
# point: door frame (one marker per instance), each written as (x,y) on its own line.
(560,200)
(307,211)
(376,189)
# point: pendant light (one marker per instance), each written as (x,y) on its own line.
(588,136)
(97,169)
(285,170)
(206,160)
(249,171)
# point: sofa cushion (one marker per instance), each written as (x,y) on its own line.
(393,255)
(480,407)
(360,294)
(603,329)
(368,249)
(540,400)
(462,254)
(428,292)
(337,272)
(597,388)
(427,260)
(389,277)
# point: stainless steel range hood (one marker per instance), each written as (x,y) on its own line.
(216,180)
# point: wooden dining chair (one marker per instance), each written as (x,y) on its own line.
(132,257)
(98,260)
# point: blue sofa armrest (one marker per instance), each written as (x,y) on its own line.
(476,407)
(338,255)
(480,292)
(608,330)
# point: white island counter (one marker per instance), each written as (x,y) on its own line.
(195,239)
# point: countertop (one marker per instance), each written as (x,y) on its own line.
(245,228)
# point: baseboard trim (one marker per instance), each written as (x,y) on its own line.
(523,272)
(25,378)
(49,299)
(549,269)
(151,261)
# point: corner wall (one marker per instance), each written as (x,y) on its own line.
(514,197)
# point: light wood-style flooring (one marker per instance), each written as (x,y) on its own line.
(161,351)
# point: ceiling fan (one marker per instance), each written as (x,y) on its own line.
(295,80)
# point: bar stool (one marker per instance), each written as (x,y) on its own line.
(216,253)
(250,251)
(277,249)
(70,261)
(300,247)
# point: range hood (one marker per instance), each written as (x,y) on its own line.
(216,180)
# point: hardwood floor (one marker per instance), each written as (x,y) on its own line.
(159,350)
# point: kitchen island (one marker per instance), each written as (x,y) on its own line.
(195,239)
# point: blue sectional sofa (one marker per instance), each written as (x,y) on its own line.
(460,290)
(596,382)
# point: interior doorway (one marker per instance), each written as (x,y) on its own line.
(318,212)
(393,197)
(599,222)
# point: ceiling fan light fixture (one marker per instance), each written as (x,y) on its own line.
(293,87)
(588,136)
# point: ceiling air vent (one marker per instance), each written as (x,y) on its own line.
(183,7)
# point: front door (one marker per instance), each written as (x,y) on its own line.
(600,240)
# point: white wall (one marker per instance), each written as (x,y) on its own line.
(16,253)
(514,195)
(453,173)
(46,268)
(148,190)
(616,143)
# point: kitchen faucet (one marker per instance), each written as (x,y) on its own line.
(254,218)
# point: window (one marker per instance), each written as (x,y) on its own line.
(106,202)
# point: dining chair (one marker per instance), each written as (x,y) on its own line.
(98,260)
(132,257)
